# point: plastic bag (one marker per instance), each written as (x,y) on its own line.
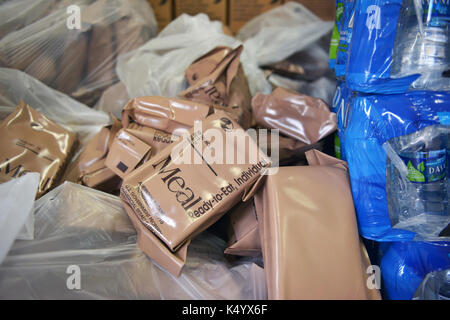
(73,115)
(372,121)
(389,51)
(435,286)
(158,67)
(417,177)
(16,218)
(17,14)
(309,64)
(306,71)
(113,100)
(79,227)
(277,34)
(79,60)
(405,264)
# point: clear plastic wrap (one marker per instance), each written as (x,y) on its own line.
(435,286)
(79,60)
(277,34)
(379,129)
(17,14)
(73,115)
(309,64)
(16,218)
(158,67)
(113,100)
(399,44)
(417,180)
(78,226)
(293,44)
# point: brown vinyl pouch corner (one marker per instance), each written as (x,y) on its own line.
(30,142)
(174,116)
(126,153)
(182,191)
(89,168)
(309,234)
(218,79)
(313,118)
(243,233)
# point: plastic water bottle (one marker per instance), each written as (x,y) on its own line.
(421,191)
(422,43)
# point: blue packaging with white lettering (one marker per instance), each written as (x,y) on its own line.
(340,107)
(397,148)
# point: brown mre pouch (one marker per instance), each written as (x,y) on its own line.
(296,115)
(309,233)
(157,139)
(181,191)
(218,79)
(89,168)
(126,153)
(244,234)
(30,142)
(175,116)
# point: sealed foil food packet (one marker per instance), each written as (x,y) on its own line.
(185,189)
(311,247)
(297,116)
(175,116)
(30,142)
(218,78)
(126,153)
(244,237)
(157,139)
(89,167)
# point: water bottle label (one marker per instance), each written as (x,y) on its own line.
(426,167)
(337,146)
(335,36)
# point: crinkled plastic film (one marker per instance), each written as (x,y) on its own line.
(79,59)
(78,226)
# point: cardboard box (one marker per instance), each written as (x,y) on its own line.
(324,9)
(215,9)
(163,10)
(242,11)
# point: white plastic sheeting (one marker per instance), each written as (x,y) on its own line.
(16,217)
(88,229)
(65,111)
